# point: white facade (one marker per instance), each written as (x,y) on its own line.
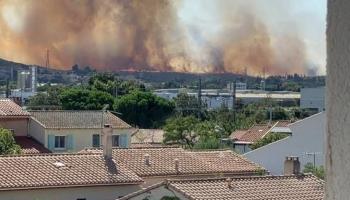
(307,142)
(313,98)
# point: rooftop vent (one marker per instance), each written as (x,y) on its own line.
(147,159)
(229,183)
(176,162)
(59,164)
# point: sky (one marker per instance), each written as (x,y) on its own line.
(274,36)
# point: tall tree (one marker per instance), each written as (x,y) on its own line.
(83,99)
(181,130)
(144,109)
(7,143)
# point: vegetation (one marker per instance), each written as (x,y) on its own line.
(83,99)
(7,143)
(144,109)
(317,171)
(181,130)
(271,137)
(49,98)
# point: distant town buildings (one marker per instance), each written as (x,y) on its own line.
(313,98)
(216,98)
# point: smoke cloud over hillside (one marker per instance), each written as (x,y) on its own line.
(150,35)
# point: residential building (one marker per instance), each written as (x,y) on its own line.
(293,185)
(30,146)
(313,98)
(155,163)
(282,127)
(64,176)
(72,131)
(242,139)
(13,117)
(147,138)
(110,173)
(306,141)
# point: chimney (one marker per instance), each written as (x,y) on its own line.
(147,160)
(229,183)
(291,165)
(107,141)
(176,161)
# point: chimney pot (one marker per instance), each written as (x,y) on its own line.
(229,183)
(147,159)
(291,165)
(107,141)
(176,161)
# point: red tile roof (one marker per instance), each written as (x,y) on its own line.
(149,136)
(253,134)
(62,170)
(8,108)
(162,162)
(77,119)
(30,146)
(283,123)
(305,187)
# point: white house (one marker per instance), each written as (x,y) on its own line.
(313,98)
(72,131)
(306,141)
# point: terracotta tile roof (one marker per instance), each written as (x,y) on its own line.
(30,146)
(77,119)
(253,134)
(305,187)
(237,134)
(9,108)
(150,136)
(162,162)
(283,123)
(61,170)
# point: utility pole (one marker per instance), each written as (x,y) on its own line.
(199,96)
(234,101)
(314,157)
(7,88)
(47,60)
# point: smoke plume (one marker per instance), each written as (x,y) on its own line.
(146,35)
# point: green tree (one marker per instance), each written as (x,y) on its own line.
(187,105)
(83,99)
(317,171)
(181,130)
(271,137)
(144,109)
(109,83)
(48,98)
(7,143)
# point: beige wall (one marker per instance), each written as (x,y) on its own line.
(337,100)
(158,193)
(20,126)
(37,131)
(82,137)
(90,193)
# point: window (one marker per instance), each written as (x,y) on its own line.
(115,140)
(60,142)
(95,140)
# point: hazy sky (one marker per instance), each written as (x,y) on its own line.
(307,17)
(284,36)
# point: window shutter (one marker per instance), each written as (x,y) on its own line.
(51,142)
(123,140)
(70,142)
